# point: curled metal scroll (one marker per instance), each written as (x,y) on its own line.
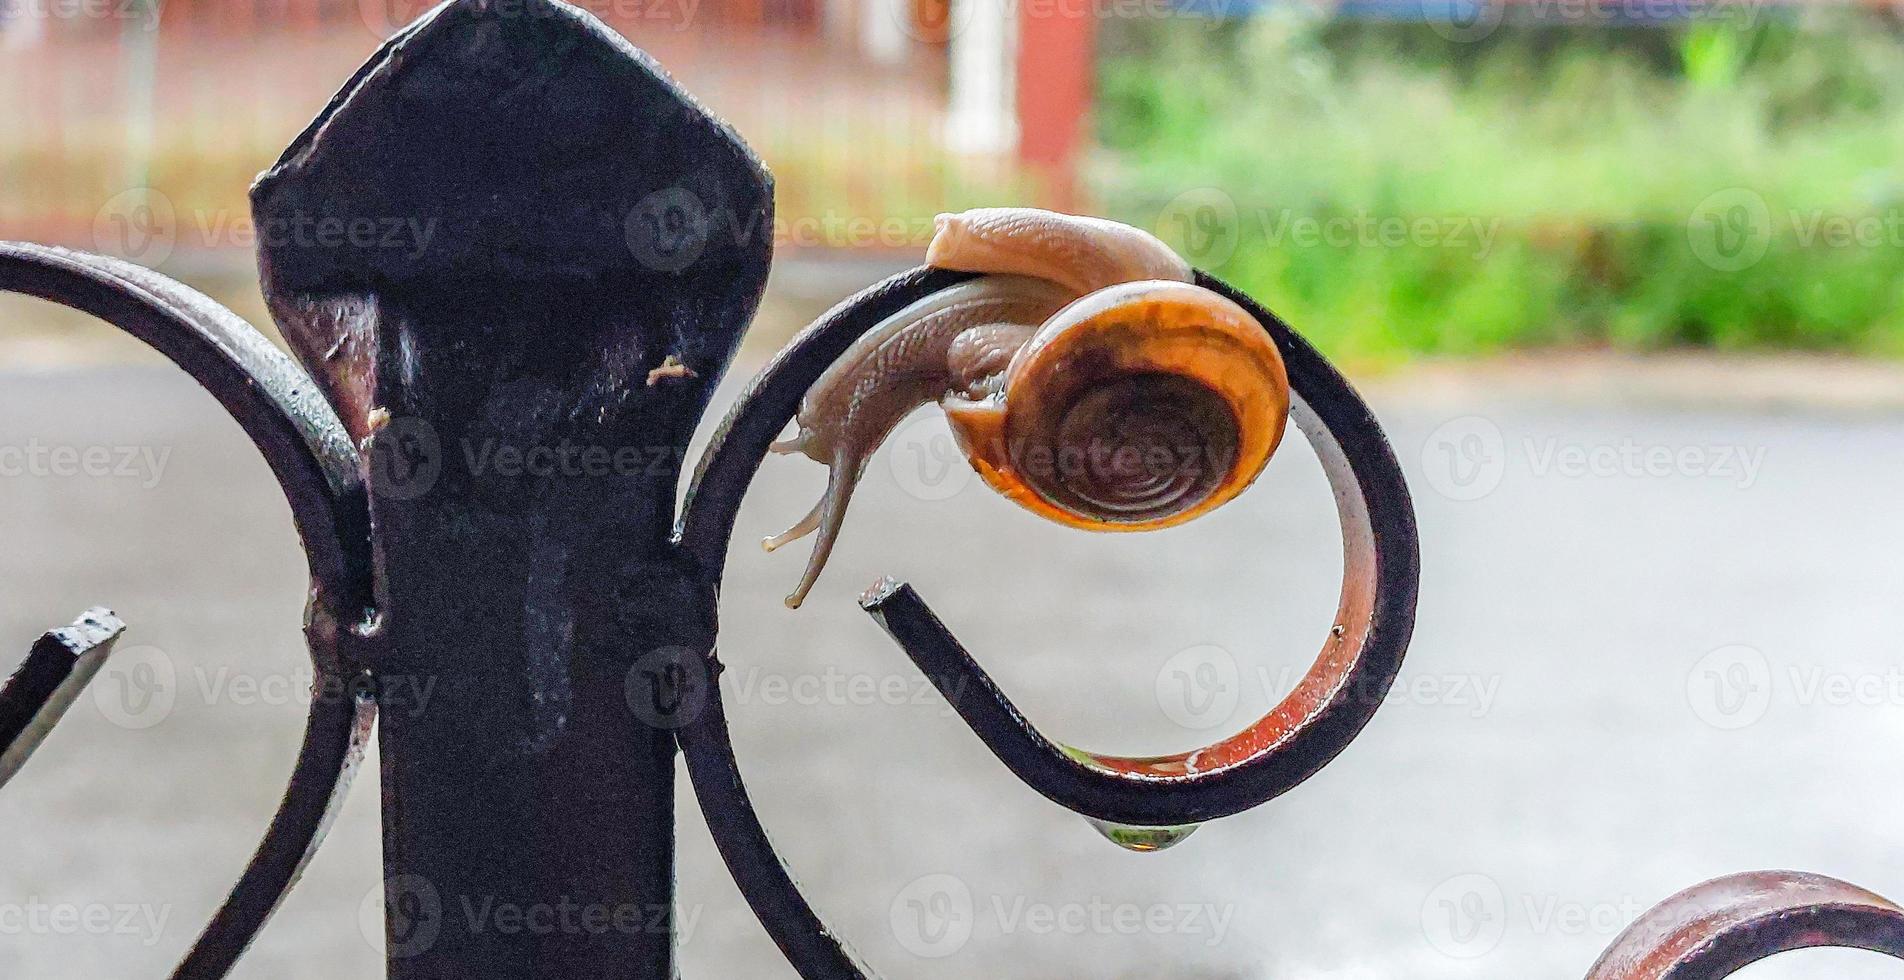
(286,417)
(1302,733)
(1704,933)
(1712,930)
(1358,662)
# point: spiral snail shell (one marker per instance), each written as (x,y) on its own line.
(1085,376)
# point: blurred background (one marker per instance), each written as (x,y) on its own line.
(1402,177)
(1621,278)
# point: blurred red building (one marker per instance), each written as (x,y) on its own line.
(874,114)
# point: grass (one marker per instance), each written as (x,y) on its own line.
(1731,184)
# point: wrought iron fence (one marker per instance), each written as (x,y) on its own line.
(570,624)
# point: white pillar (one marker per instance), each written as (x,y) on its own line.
(983,116)
(885,30)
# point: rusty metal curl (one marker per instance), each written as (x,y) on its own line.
(1358,662)
(1309,727)
(1703,933)
(1717,928)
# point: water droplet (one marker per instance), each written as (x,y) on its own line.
(1143,840)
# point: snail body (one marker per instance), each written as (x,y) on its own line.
(1084,375)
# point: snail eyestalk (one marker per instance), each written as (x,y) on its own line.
(1085,377)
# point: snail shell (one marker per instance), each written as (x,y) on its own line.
(1085,377)
(1142,405)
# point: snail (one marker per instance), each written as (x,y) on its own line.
(1085,376)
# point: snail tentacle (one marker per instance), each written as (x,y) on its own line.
(827,516)
(805,526)
(795,444)
(900,365)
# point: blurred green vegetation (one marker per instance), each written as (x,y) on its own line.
(1733,183)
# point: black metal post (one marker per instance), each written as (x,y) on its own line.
(566,251)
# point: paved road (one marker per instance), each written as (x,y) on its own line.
(1629,676)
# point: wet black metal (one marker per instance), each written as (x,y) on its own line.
(578,251)
(53,674)
(336,734)
(1355,453)
(305,445)
(721,479)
